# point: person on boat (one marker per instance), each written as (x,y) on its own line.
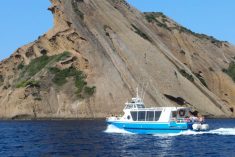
(187,119)
(193,118)
(201,119)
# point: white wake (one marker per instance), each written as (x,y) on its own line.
(113,129)
(223,131)
(220,131)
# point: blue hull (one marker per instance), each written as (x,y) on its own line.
(152,127)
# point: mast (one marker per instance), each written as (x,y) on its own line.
(137,94)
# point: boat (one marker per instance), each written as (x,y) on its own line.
(141,120)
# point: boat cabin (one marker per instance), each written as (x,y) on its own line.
(136,111)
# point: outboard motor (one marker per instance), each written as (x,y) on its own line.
(205,127)
(197,127)
(200,127)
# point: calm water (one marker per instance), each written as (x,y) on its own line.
(92,138)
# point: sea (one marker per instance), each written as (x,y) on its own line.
(93,138)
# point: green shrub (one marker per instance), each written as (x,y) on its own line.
(202,36)
(231,70)
(156,14)
(186,75)
(89,90)
(152,17)
(39,63)
(1,80)
(140,33)
(60,78)
(224,70)
(201,79)
(123,2)
(26,83)
(159,14)
(36,65)
(20,66)
(54,70)
(62,56)
(80,84)
(61,75)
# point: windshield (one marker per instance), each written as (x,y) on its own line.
(140,106)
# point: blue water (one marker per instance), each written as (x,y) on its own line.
(93,138)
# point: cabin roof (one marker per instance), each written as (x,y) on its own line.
(134,108)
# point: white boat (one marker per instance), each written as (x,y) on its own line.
(139,119)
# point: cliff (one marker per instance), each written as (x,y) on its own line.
(89,64)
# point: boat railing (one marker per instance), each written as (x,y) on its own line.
(147,109)
(155,108)
(151,109)
(113,118)
(181,120)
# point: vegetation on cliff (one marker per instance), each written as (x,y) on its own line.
(1,80)
(60,78)
(186,75)
(191,78)
(153,18)
(231,70)
(60,75)
(161,20)
(140,33)
(26,83)
(37,64)
(201,79)
(20,66)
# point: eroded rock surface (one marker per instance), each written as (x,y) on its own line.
(118,48)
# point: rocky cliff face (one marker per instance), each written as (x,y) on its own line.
(113,48)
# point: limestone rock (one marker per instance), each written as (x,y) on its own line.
(119,49)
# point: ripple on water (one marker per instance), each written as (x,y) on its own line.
(93,138)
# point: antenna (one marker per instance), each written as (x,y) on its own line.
(137,95)
(142,91)
(145,90)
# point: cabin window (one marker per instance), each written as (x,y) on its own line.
(174,114)
(141,116)
(140,106)
(129,106)
(157,115)
(134,116)
(182,113)
(150,116)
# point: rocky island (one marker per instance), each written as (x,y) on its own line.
(98,52)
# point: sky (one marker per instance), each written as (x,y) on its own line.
(212,17)
(22,21)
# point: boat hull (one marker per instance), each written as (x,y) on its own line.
(152,127)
